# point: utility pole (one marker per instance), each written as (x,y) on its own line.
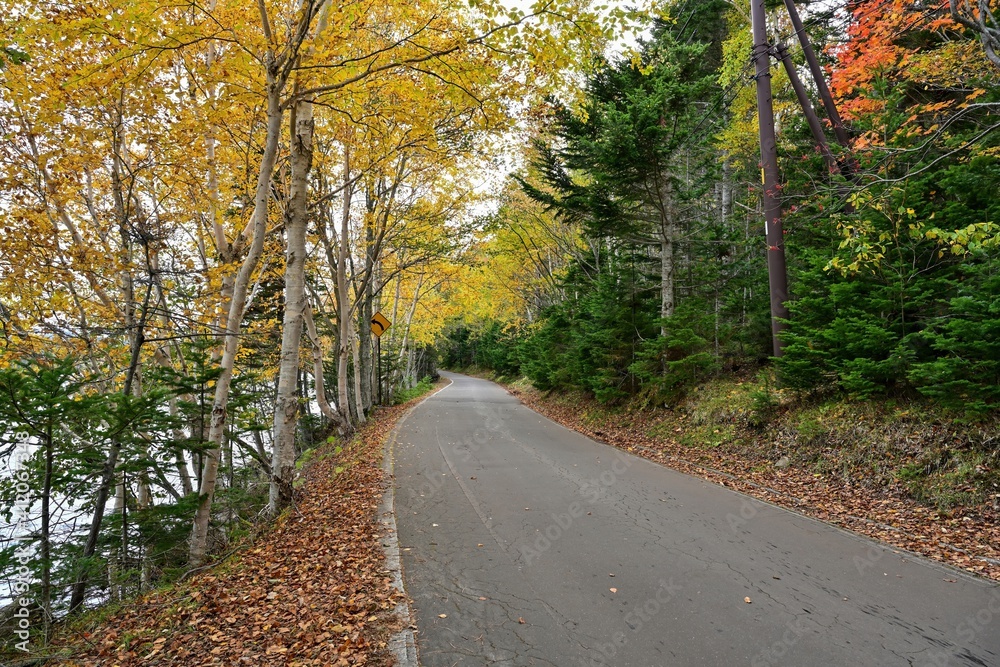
(776,270)
(807,108)
(817,72)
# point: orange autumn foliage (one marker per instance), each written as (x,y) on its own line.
(915,47)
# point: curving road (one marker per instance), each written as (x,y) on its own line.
(524,543)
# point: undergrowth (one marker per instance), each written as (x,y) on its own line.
(417,390)
(910,447)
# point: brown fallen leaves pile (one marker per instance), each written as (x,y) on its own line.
(964,537)
(312,591)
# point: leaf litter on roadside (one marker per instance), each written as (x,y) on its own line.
(313,591)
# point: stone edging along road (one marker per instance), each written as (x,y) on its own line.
(402,644)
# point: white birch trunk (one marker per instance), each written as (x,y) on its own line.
(296,217)
(115,564)
(667,232)
(319,379)
(405,370)
(344,296)
(183,472)
(234,319)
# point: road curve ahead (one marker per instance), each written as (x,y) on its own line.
(524,543)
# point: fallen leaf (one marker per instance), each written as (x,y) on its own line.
(520,620)
(613,590)
(747,600)
(442,615)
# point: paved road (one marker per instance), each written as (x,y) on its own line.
(524,543)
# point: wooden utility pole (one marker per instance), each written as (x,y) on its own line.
(776,271)
(817,72)
(807,108)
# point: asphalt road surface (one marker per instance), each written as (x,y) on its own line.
(524,543)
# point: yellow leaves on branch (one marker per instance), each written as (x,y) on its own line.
(134,134)
(976,236)
(869,239)
(520,258)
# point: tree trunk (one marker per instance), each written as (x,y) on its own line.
(667,233)
(46,550)
(409,318)
(199,532)
(115,564)
(296,219)
(183,472)
(404,369)
(359,405)
(343,296)
(367,353)
(143,501)
(411,381)
(343,370)
(390,371)
(318,374)
(365,320)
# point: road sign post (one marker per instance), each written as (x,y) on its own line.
(380,323)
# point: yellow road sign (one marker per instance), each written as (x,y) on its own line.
(380,324)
